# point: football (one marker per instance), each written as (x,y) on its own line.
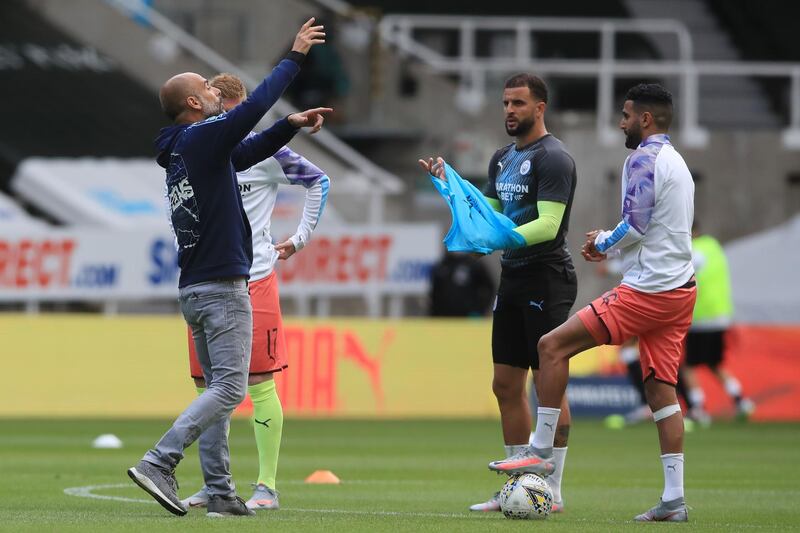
(526,497)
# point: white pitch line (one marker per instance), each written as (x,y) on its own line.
(386,513)
(88,492)
(372,482)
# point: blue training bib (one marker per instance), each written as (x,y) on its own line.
(476,226)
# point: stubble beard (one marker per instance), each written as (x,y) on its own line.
(212,109)
(522,128)
(633,138)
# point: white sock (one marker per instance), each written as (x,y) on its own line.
(697,397)
(514,449)
(673,476)
(546,421)
(554,479)
(733,387)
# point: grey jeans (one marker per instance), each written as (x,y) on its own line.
(221,319)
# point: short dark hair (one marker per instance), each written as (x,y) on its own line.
(535,84)
(655,99)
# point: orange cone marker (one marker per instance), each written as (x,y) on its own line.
(323,477)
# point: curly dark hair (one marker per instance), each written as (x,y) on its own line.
(654,98)
(535,84)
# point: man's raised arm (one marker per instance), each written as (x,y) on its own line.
(241,120)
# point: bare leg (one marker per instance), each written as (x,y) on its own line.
(255,379)
(733,387)
(670,429)
(695,396)
(721,373)
(688,375)
(555,350)
(682,388)
(515,411)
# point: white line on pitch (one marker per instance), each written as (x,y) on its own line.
(87,492)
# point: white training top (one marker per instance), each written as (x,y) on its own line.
(258,186)
(654,238)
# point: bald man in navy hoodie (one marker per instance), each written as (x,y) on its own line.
(201,153)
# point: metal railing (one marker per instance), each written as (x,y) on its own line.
(398,30)
(385,181)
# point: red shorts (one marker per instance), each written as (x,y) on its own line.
(660,320)
(268,353)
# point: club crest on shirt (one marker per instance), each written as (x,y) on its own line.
(525,167)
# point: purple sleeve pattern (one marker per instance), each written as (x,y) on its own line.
(640,193)
(298,169)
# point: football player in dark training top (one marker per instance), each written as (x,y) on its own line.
(531,181)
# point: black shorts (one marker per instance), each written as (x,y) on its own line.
(530,304)
(705,348)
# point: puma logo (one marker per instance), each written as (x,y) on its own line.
(265,423)
(673,467)
(610,296)
(537,306)
(548,426)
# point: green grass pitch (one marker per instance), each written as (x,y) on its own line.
(399,476)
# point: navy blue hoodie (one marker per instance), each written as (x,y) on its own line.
(201,159)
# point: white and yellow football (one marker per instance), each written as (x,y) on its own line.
(526,497)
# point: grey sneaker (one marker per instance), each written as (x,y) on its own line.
(228,506)
(529,461)
(671,511)
(160,484)
(264,498)
(491,505)
(198,499)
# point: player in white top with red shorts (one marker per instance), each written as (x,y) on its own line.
(259,189)
(654,302)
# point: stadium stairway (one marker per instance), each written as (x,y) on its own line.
(150,58)
(400,108)
(416,105)
(718,95)
(390,98)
